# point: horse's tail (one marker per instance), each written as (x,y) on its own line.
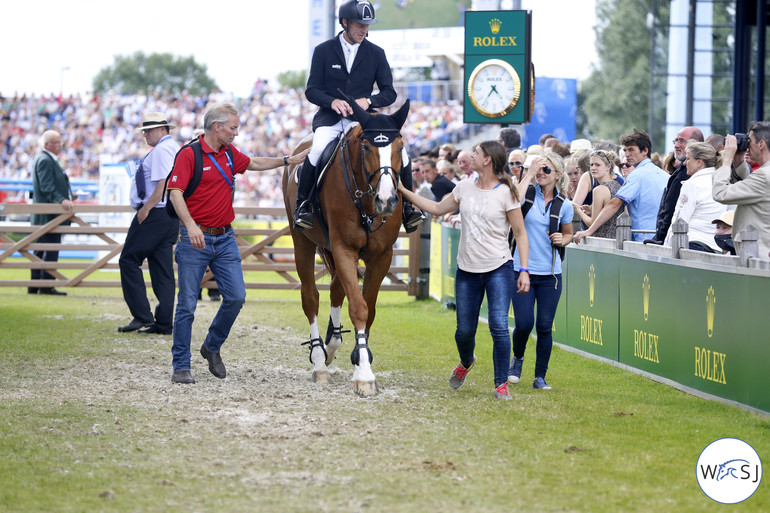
(328,260)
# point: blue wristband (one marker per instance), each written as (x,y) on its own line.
(524,270)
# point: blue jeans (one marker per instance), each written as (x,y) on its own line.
(222,256)
(469,294)
(545,290)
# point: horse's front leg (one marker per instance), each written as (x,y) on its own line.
(364,382)
(377,268)
(363,377)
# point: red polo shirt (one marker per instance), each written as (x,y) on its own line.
(212,202)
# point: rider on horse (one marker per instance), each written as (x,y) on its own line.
(350,63)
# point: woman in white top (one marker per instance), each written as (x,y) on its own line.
(696,204)
(489,206)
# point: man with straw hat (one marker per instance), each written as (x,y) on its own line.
(152,233)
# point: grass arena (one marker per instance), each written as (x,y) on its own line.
(91,421)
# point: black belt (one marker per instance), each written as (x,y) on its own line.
(215,231)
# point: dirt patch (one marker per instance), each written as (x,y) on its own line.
(268,392)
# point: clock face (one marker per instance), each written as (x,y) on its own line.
(494,88)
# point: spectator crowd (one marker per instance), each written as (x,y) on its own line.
(99,129)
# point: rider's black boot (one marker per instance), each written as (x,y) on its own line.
(303,215)
(411,217)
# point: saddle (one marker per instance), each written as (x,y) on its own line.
(324,162)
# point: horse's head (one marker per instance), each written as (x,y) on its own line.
(381,146)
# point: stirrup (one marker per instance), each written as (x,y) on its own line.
(303,217)
(415,219)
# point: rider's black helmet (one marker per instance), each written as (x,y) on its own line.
(360,11)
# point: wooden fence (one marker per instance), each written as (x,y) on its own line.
(262,249)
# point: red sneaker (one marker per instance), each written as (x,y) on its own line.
(501,392)
(458,376)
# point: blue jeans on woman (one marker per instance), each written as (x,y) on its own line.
(469,294)
(545,290)
(222,256)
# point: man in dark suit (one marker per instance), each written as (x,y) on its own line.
(49,185)
(350,63)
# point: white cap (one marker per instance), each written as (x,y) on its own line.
(530,160)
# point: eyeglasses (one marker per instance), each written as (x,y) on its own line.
(600,153)
(626,165)
(547,170)
(516,163)
(679,141)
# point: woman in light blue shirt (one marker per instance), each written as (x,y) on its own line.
(544,265)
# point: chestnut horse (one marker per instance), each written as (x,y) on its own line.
(359,218)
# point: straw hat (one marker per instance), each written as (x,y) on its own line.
(580,144)
(153,120)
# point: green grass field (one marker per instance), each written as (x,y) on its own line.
(91,422)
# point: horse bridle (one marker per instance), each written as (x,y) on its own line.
(358,194)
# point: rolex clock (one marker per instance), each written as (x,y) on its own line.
(494,88)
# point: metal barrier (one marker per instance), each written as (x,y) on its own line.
(748,256)
(264,255)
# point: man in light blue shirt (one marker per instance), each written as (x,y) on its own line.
(641,192)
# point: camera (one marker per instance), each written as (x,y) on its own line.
(743,141)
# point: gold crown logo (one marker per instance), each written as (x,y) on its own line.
(591,285)
(646,296)
(711,300)
(495,25)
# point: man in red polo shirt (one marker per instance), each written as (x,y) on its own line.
(206,238)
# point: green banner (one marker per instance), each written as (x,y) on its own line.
(708,343)
(647,334)
(704,329)
(752,340)
(592,295)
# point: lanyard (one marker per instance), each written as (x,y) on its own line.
(221,171)
(493,188)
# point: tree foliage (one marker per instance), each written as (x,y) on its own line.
(616,96)
(154,72)
(292,79)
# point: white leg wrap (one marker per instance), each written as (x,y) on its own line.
(363,371)
(317,355)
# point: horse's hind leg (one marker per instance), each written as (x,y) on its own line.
(333,339)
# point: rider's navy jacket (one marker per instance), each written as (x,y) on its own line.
(328,72)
